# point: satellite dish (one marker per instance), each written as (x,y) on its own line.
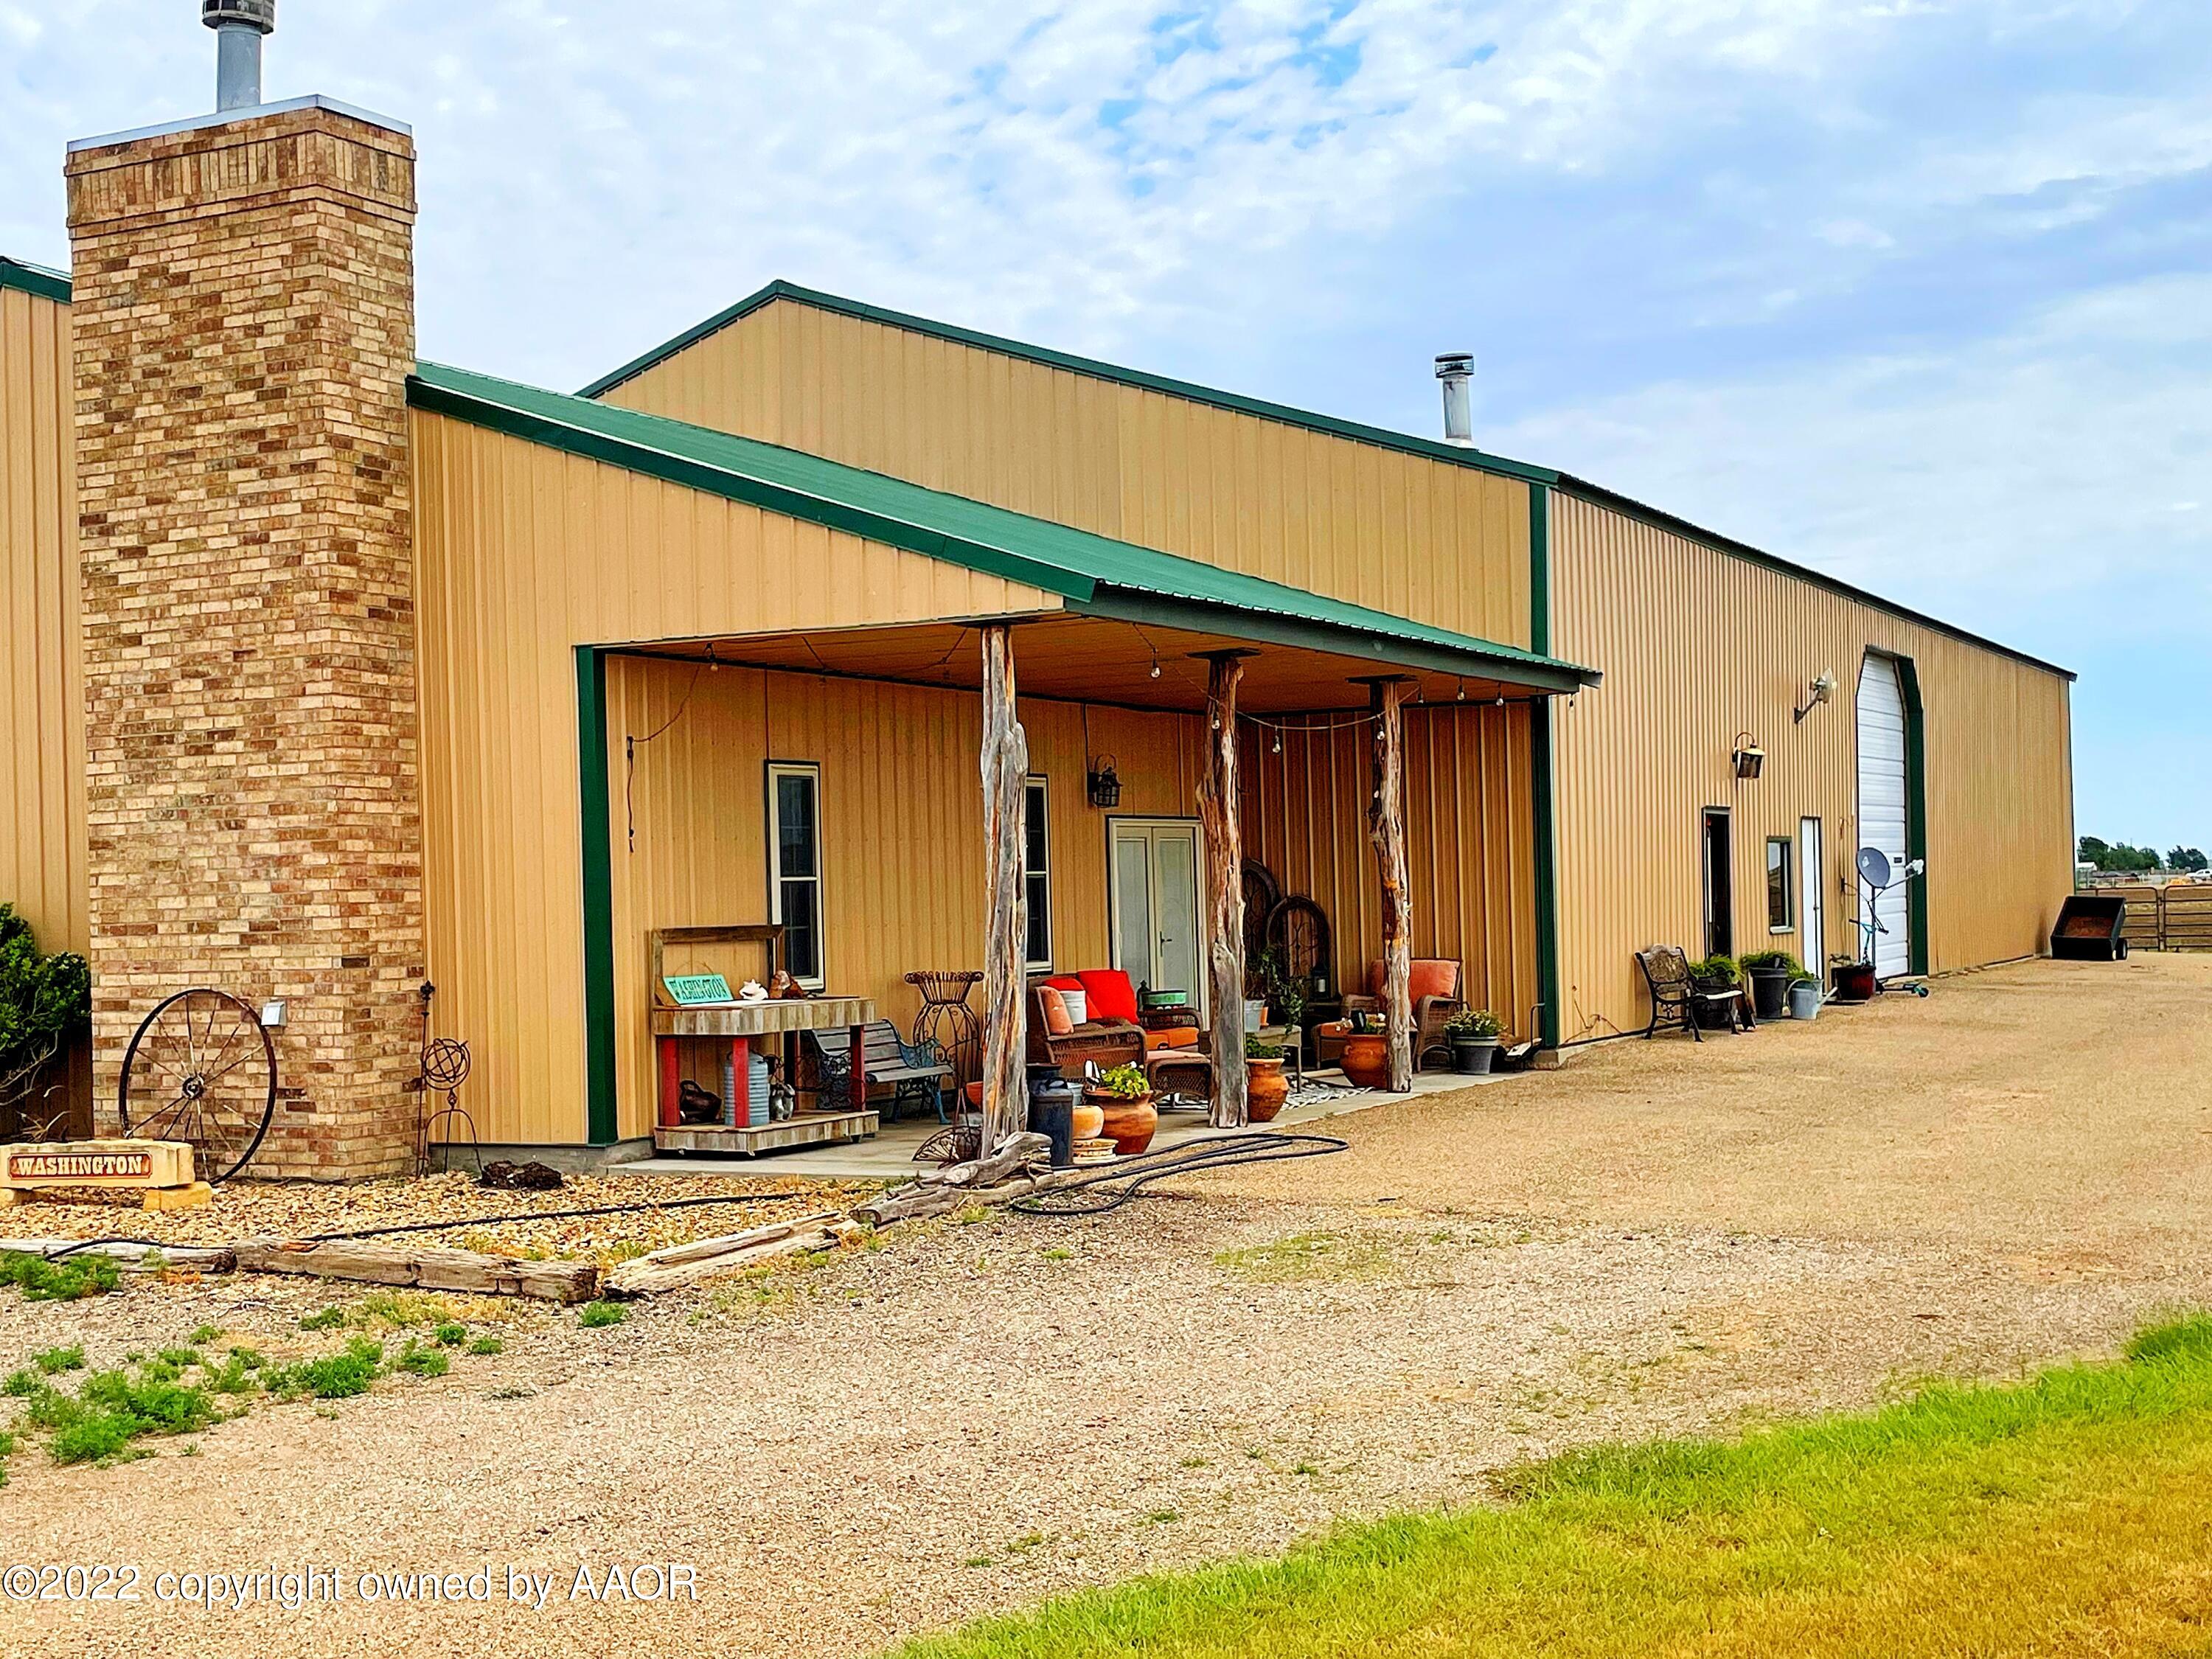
(1874,866)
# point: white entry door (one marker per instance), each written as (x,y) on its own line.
(1157,921)
(1813,888)
(1882,807)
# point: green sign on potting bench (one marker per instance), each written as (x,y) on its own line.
(697,990)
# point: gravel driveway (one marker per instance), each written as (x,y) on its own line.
(1655,1237)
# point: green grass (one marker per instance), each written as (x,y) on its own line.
(488,1344)
(70,1279)
(2068,1514)
(335,1376)
(329,1320)
(1305,1257)
(418,1361)
(54,1361)
(597,1315)
(452,1334)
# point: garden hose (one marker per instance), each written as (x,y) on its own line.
(1133,1176)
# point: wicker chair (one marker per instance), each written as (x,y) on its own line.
(1110,1042)
(1437,996)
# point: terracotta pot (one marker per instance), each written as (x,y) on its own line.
(1090,1120)
(1367,1059)
(1266,1089)
(1130,1124)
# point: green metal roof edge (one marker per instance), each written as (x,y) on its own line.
(27,278)
(1079,566)
(1661,519)
(1358,432)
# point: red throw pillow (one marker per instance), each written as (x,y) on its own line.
(1055,1012)
(1066,983)
(1112,996)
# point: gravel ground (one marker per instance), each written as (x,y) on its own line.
(964,1417)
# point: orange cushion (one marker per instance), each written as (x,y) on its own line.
(1428,978)
(1112,996)
(1055,1012)
(1175,1036)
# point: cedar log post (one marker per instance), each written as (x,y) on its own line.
(1386,825)
(1225,876)
(1005,762)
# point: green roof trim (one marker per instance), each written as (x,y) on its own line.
(1358,432)
(1092,573)
(27,278)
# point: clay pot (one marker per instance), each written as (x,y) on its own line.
(1366,1060)
(1266,1089)
(1090,1120)
(1130,1124)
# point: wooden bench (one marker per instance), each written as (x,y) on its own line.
(913,1073)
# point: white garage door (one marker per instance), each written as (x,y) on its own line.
(1882,805)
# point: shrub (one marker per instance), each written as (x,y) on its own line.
(93,1438)
(1774,962)
(44,1001)
(597,1315)
(1717,970)
(1255,1049)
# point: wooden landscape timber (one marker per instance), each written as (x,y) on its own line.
(131,1258)
(422,1267)
(1004,1176)
(683,1265)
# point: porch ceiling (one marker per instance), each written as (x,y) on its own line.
(1088,658)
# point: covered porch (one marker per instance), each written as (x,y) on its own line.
(1125,783)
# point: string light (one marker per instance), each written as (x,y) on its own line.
(1462,691)
(1156,668)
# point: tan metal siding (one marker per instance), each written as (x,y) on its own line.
(1422,538)
(1698,645)
(523,554)
(42,804)
(1470,846)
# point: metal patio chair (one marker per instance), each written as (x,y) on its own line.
(1675,997)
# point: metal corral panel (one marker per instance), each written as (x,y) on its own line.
(1470,841)
(1440,544)
(524,553)
(1697,644)
(42,807)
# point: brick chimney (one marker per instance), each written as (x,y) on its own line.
(244,320)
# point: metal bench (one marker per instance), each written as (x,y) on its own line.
(1675,997)
(916,1074)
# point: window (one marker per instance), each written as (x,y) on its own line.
(794,865)
(1036,873)
(1781,900)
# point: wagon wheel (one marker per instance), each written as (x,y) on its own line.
(1262,893)
(202,1070)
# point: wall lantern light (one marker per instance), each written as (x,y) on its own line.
(1750,758)
(1821,691)
(1105,783)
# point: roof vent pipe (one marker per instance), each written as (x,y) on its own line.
(1456,370)
(239,26)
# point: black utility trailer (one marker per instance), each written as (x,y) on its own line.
(2088,929)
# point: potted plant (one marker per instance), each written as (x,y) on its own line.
(1772,973)
(1853,977)
(1266,1088)
(1131,1118)
(1287,994)
(1714,973)
(1473,1034)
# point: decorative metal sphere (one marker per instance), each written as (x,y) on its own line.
(445,1064)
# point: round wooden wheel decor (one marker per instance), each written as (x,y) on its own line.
(201,1069)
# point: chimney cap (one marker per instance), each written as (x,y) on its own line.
(1454,365)
(259,15)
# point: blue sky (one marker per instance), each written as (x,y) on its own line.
(1920,293)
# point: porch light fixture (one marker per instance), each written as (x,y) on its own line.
(1821,691)
(1750,758)
(1104,783)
